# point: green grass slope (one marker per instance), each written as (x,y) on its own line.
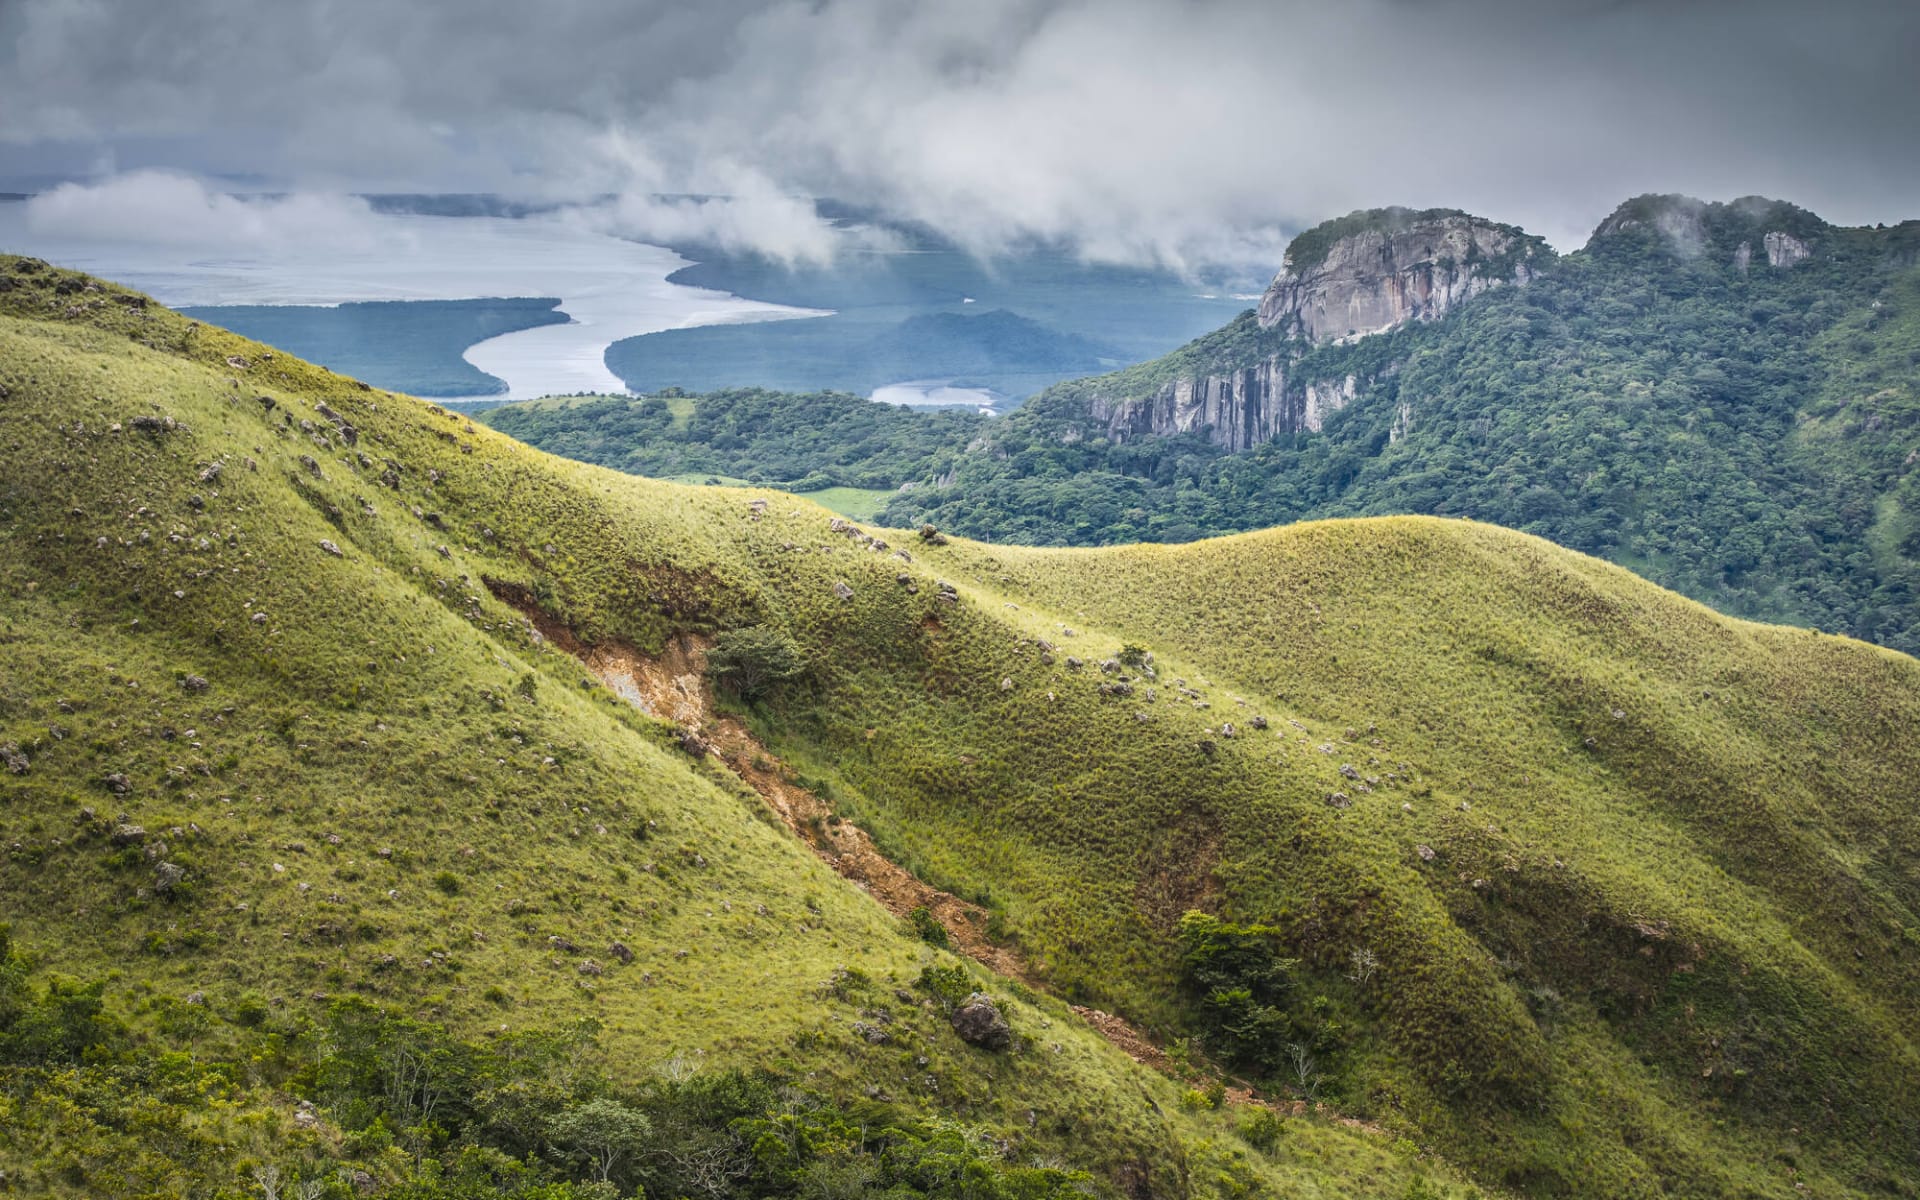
(245,610)
(1582,886)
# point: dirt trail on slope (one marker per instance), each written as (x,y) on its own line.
(673,686)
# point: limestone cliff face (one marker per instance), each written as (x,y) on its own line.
(1784,249)
(1239,409)
(1390,267)
(1362,274)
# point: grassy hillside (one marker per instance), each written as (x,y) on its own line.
(1531,866)
(275,754)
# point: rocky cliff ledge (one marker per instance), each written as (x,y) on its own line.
(1376,270)
(1239,409)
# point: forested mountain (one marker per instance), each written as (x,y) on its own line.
(1719,396)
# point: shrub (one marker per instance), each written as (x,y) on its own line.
(750,662)
(1261,1128)
(927,927)
(1241,979)
(949,985)
(447,882)
(251,1010)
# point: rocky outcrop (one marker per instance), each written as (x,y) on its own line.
(1784,249)
(1375,271)
(978,1022)
(1238,409)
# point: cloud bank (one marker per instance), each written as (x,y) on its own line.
(1165,131)
(171,209)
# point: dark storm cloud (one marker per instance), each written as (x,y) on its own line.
(1139,129)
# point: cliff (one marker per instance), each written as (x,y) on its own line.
(1366,273)
(1376,270)
(1240,408)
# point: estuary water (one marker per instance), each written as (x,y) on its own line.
(610,287)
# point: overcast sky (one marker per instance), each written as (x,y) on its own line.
(1144,130)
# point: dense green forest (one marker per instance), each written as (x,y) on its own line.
(802,441)
(1741,432)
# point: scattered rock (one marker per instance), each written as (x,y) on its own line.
(155,425)
(166,877)
(620,951)
(691,742)
(118,784)
(237,363)
(979,1023)
(128,835)
(1425,852)
(328,546)
(196,998)
(932,536)
(1258,722)
(348,433)
(16,761)
(195,683)
(590,967)
(841,590)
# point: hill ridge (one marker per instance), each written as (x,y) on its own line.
(1635,915)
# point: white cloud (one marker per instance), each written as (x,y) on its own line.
(1175,131)
(169,209)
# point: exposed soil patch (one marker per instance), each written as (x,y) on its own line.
(673,686)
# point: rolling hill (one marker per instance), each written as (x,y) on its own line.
(374,823)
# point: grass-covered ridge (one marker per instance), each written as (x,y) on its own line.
(271,744)
(1584,887)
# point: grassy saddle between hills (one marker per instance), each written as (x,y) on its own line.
(1516,860)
